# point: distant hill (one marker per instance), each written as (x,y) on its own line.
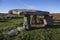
(56,16)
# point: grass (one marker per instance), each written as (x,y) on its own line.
(37,34)
(10,24)
(40,34)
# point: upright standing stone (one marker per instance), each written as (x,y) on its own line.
(35,17)
(45,22)
(49,20)
(26,22)
(31,20)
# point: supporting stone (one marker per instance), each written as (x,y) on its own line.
(45,22)
(31,19)
(26,22)
(35,17)
(49,20)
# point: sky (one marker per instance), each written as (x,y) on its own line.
(52,6)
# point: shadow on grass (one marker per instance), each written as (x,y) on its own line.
(4,20)
(47,26)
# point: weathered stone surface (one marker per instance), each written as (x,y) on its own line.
(45,22)
(25,22)
(11,32)
(19,28)
(28,11)
(49,20)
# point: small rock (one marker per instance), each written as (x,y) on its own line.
(19,28)
(11,32)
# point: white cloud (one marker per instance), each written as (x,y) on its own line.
(27,5)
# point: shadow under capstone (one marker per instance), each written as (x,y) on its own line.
(47,26)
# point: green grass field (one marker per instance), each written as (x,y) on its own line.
(37,34)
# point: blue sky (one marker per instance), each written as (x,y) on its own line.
(53,6)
